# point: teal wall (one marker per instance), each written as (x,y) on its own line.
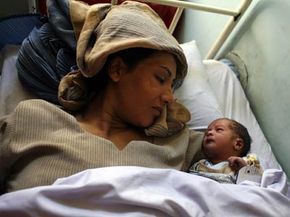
(202,26)
(261,40)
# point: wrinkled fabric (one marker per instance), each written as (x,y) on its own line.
(138,191)
(42,61)
(59,18)
(48,53)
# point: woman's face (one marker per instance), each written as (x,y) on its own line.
(143,91)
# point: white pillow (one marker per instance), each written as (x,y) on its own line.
(195,92)
(11,90)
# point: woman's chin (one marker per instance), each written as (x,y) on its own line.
(147,124)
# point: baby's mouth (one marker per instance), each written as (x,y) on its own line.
(208,140)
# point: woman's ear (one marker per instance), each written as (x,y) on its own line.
(116,69)
(239,144)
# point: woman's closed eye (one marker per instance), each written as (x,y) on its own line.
(160,79)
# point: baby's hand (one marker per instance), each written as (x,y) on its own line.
(236,163)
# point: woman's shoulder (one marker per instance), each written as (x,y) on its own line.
(36,108)
(41,112)
(36,104)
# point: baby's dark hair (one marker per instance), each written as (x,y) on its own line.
(242,132)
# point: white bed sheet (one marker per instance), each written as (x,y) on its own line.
(138,191)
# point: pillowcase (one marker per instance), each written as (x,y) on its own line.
(11,90)
(195,93)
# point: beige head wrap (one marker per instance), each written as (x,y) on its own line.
(103,29)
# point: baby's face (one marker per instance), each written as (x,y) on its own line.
(218,140)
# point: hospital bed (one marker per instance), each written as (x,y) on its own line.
(210,90)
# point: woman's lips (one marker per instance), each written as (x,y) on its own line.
(158,110)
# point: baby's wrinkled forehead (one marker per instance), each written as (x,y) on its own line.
(224,122)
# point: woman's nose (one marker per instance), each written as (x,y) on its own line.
(167,97)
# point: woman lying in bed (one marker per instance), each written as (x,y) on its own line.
(124,110)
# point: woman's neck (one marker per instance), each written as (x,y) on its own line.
(99,119)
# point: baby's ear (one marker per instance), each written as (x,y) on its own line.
(116,69)
(239,144)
